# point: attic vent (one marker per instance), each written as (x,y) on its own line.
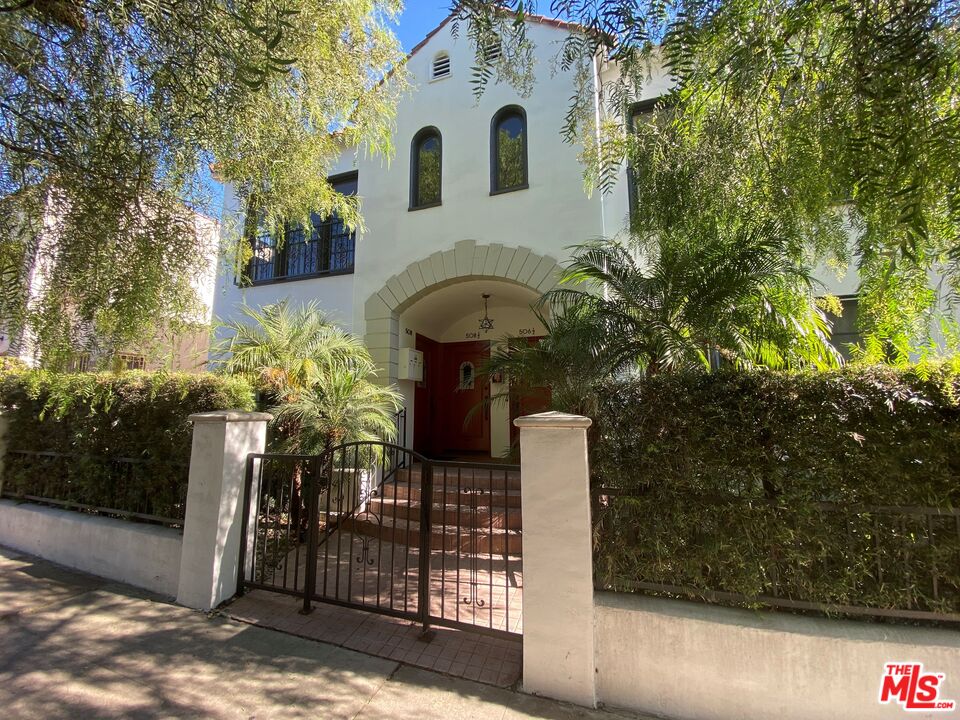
(492,51)
(441,66)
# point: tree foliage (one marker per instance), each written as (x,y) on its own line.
(110,113)
(739,295)
(429,173)
(797,485)
(675,304)
(511,160)
(318,380)
(829,117)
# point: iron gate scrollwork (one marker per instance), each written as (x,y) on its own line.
(379,527)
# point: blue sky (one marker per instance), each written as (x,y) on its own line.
(418,18)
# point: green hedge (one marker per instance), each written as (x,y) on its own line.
(777,484)
(95,417)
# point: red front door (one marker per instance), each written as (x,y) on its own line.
(527,402)
(465,414)
(451,414)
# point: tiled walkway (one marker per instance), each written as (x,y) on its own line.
(495,661)
(477,588)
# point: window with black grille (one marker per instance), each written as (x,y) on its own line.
(80,362)
(326,247)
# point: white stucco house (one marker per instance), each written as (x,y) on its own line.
(182,350)
(509,203)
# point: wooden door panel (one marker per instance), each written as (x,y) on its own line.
(461,398)
(528,402)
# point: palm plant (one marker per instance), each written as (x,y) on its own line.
(342,406)
(283,350)
(567,360)
(669,304)
(319,378)
(673,303)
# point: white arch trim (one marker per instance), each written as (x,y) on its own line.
(465,261)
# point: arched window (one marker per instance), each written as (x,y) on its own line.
(508,150)
(466,376)
(425,168)
(440,67)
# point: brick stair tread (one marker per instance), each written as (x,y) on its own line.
(447,514)
(440,466)
(450,489)
(447,507)
(466,479)
(437,528)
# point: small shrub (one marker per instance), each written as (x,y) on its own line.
(770,483)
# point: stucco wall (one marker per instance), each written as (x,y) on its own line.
(550,215)
(696,662)
(145,556)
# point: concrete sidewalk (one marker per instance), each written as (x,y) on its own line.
(75,646)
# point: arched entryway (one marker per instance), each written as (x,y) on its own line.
(434,306)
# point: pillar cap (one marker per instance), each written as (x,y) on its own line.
(228,416)
(553,419)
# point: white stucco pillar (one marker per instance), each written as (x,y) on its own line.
(211,533)
(558,656)
(4,424)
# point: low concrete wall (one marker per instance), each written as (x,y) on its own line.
(698,662)
(147,556)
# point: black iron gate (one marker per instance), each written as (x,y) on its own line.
(379,527)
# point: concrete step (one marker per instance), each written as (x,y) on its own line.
(467,540)
(464,515)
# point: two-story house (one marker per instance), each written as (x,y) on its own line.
(465,229)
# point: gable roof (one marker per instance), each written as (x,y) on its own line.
(539,19)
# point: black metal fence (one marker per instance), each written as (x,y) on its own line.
(273,553)
(400,421)
(123,487)
(879,561)
(378,527)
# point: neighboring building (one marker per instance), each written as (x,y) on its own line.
(181,351)
(470,220)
